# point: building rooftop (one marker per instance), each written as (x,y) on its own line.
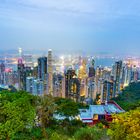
(112,108)
(97,109)
(85,113)
(4,86)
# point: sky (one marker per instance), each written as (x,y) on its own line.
(105,26)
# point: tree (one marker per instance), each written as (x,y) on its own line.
(17,113)
(67,107)
(126,126)
(45,110)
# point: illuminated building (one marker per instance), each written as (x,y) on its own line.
(58,85)
(74,89)
(82,75)
(98,81)
(107,90)
(69,74)
(50,72)
(128,75)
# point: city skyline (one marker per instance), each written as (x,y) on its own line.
(87,26)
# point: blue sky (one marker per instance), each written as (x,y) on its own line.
(111,26)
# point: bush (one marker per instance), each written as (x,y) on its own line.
(89,133)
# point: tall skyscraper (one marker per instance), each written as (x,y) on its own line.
(92,69)
(28,60)
(20,52)
(70,73)
(29,84)
(21,74)
(82,75)
(57,85)
(135,74)
(42,68)
(2,73)
(34,86)
(107,91)
(50,72)
(38,87)
(117,75)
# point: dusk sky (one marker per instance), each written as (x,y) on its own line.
(111,26)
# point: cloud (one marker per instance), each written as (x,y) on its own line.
(86,6)
(83,22)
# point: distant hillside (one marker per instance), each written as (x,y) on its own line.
(130,97)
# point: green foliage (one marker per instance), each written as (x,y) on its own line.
(56,136)
(17,113)
(82,105)
(130,97)
(90,133)
(69,127)
(45,109)
(67,107)
(126,126)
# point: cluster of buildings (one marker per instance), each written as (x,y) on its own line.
(79,80)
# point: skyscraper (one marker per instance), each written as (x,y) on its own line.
(42,68)
(50,72)
(117,75)
(82,75)
(107,91)
(91,69)
(29,84)
(2,73)
(28,60)
(21,74)
(38,87)
(70,73)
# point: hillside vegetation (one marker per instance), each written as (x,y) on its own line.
(130,97)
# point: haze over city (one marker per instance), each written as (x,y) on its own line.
(110,26)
